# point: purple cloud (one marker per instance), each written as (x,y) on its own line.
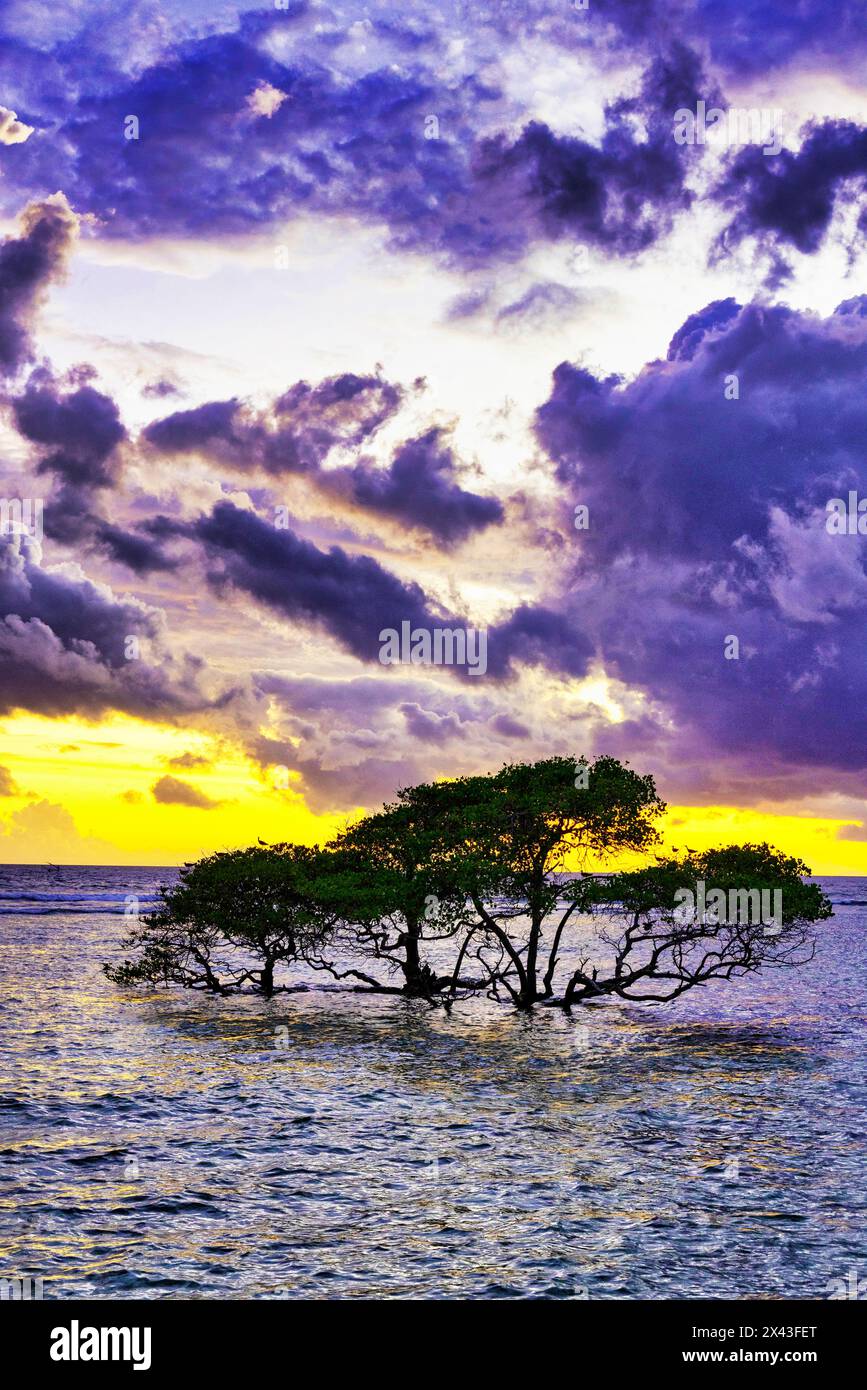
(354,598)
(707,520)
(419,487)
(68,646)
(789,200)
(28,264)
(337,142)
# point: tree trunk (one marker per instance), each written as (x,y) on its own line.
(414,981)
(529,988)
(266,982)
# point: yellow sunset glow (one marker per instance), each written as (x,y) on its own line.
(811,838)
(83,794)
(102,775)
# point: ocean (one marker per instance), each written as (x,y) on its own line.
(328,1145)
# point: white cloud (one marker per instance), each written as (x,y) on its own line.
(13,131)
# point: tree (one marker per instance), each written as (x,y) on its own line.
(685,921)
(231,920)
(399,892)
(505,841)
(482,867)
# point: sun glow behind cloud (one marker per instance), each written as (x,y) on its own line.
(103,775)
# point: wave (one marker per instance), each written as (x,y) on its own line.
(65,911)
(77,897)
(37,904)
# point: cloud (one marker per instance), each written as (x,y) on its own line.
(789,200)
(171,791)
(354,598)
(157,390)
(137,552)
(857,831)
(351,596)
(188,760)
(8,785)
(429,726)
(322,137)
(81,430)
(29,830)
(510,728)
(707,521)
(12,131)
(774,37)
(302,428)
(419,489)
(295,435)
(29,263)
(541,304)
(65,643)
(264,100)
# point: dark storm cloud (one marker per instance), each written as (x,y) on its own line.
(347,408)
(620,196)
(347,141)
(188,430)
(64,647)
(28,265)
(692,332)
(354,598)
(669,466)
(419,487)
(340,142)
(788,201)
(294,436)
(766,35)
(707,520)
(137,552)
(538,636)
(81,430)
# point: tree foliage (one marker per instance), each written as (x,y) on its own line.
(468,886)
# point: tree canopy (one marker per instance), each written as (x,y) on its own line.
(479,885)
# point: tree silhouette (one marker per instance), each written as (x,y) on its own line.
(470,886)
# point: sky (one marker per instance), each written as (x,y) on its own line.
(320,319)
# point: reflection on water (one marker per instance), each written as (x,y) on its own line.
(331,1145)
